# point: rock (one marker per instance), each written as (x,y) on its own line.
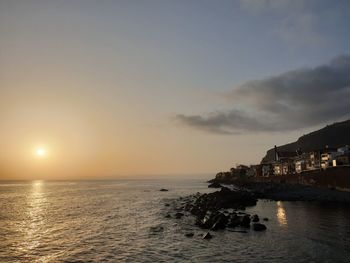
(215,185)
(245,221)
(233,220)
(207,236)
(221,221)
(255,218)
(188,207)
(156,229)
(168,216)
(238,231)
(207,221)
(164,190)
(259,227)
(265,219)
(167,205)
(189,234)
(225,198)
(178,215)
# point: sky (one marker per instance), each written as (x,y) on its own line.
(125,88)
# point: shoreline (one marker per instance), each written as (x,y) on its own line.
(278,191)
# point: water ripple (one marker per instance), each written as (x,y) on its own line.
(124,221)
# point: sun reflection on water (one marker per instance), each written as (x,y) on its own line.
(281,214)
(33,225)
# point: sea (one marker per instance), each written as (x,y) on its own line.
(124,221)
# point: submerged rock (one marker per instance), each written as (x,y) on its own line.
(207,236)
(189,234)
(245,221)
(255,218)
(156,229)
(178,215)
(238,231)
(164,190)
(259,227)
(207,221)
(221,221)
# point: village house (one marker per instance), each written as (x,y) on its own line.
(301,162)
(284,162)
(308,161)
(266,169)
(328,156)
(343,157)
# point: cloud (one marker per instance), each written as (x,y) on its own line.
(296,99)
(222,123)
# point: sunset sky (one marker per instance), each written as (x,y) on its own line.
(111,89)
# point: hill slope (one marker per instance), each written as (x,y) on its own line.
(335,135)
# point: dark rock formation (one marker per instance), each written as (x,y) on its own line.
(225,198)
(255,218)
(221,221)
(164,190)
(259,227)
(238,231)
(209,209)
(156,229)
(207,236)
(179,215)
(244,221)
(217,210)
(215,185)
(293,192)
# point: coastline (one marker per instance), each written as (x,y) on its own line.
(223,209)
(284,191)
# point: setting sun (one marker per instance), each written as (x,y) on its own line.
(40,152)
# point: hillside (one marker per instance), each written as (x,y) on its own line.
(335,135)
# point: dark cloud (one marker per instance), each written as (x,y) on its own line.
(293,100)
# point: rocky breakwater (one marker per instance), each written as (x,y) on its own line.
(220,210)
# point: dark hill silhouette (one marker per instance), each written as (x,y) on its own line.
(335,135)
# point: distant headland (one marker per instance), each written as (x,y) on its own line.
(320,158)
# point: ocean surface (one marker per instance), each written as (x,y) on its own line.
(124,221)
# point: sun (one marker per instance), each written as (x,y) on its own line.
(40,152)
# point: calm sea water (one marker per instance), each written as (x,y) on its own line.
(112,221)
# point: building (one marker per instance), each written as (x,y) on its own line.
(343,159)
(266,169)
(284,162)
(344,150)
(327,157)
(300,163)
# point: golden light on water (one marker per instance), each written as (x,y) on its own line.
(34,227)
(281,214)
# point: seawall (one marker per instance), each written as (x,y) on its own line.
(334,177)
